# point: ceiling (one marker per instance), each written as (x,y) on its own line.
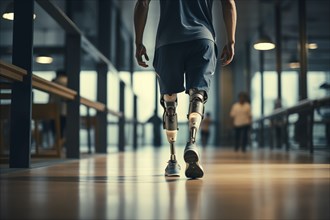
(252,14)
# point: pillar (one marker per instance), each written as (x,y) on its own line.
(21,104)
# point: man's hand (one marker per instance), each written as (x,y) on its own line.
(139,52)
(230,19)
(140,18)
(227,54)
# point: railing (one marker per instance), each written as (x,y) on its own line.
(13,73)
(279,119)
(75,41)
(52,88)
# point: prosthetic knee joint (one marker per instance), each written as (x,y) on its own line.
(170,121)
(196,111)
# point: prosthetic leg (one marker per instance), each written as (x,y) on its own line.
(195,116)
(196,112)
(170,124)
(170,120)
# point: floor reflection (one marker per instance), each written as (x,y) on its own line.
(131,185)
(193,198)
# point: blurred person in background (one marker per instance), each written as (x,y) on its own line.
(61,78)
(242,118)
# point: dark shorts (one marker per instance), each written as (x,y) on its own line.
(192,61)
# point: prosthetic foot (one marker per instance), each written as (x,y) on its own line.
(170,124)
(191,156)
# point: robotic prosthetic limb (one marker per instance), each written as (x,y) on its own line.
(170,121)
(191,156)
(196,112)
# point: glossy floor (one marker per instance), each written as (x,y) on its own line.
(257,185)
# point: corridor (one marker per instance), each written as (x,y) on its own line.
(82,117)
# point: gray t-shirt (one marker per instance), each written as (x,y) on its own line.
(184,20)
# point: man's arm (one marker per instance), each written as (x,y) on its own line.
(140,19)
(230,17)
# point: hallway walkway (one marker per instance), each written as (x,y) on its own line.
(257,185)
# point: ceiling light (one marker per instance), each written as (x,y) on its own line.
(312,46)
(44,59)
(8,16)
(294,63)
(264,43)
(9,12)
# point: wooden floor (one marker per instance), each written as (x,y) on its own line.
(259,184)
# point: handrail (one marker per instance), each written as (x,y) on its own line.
(92,104)
(300,106)
(308,106)
(64,92)
(69,26)
(115,113)
(58,15)
(51,87)
(303,104)
(15,73)
(12,72)
(99,106)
